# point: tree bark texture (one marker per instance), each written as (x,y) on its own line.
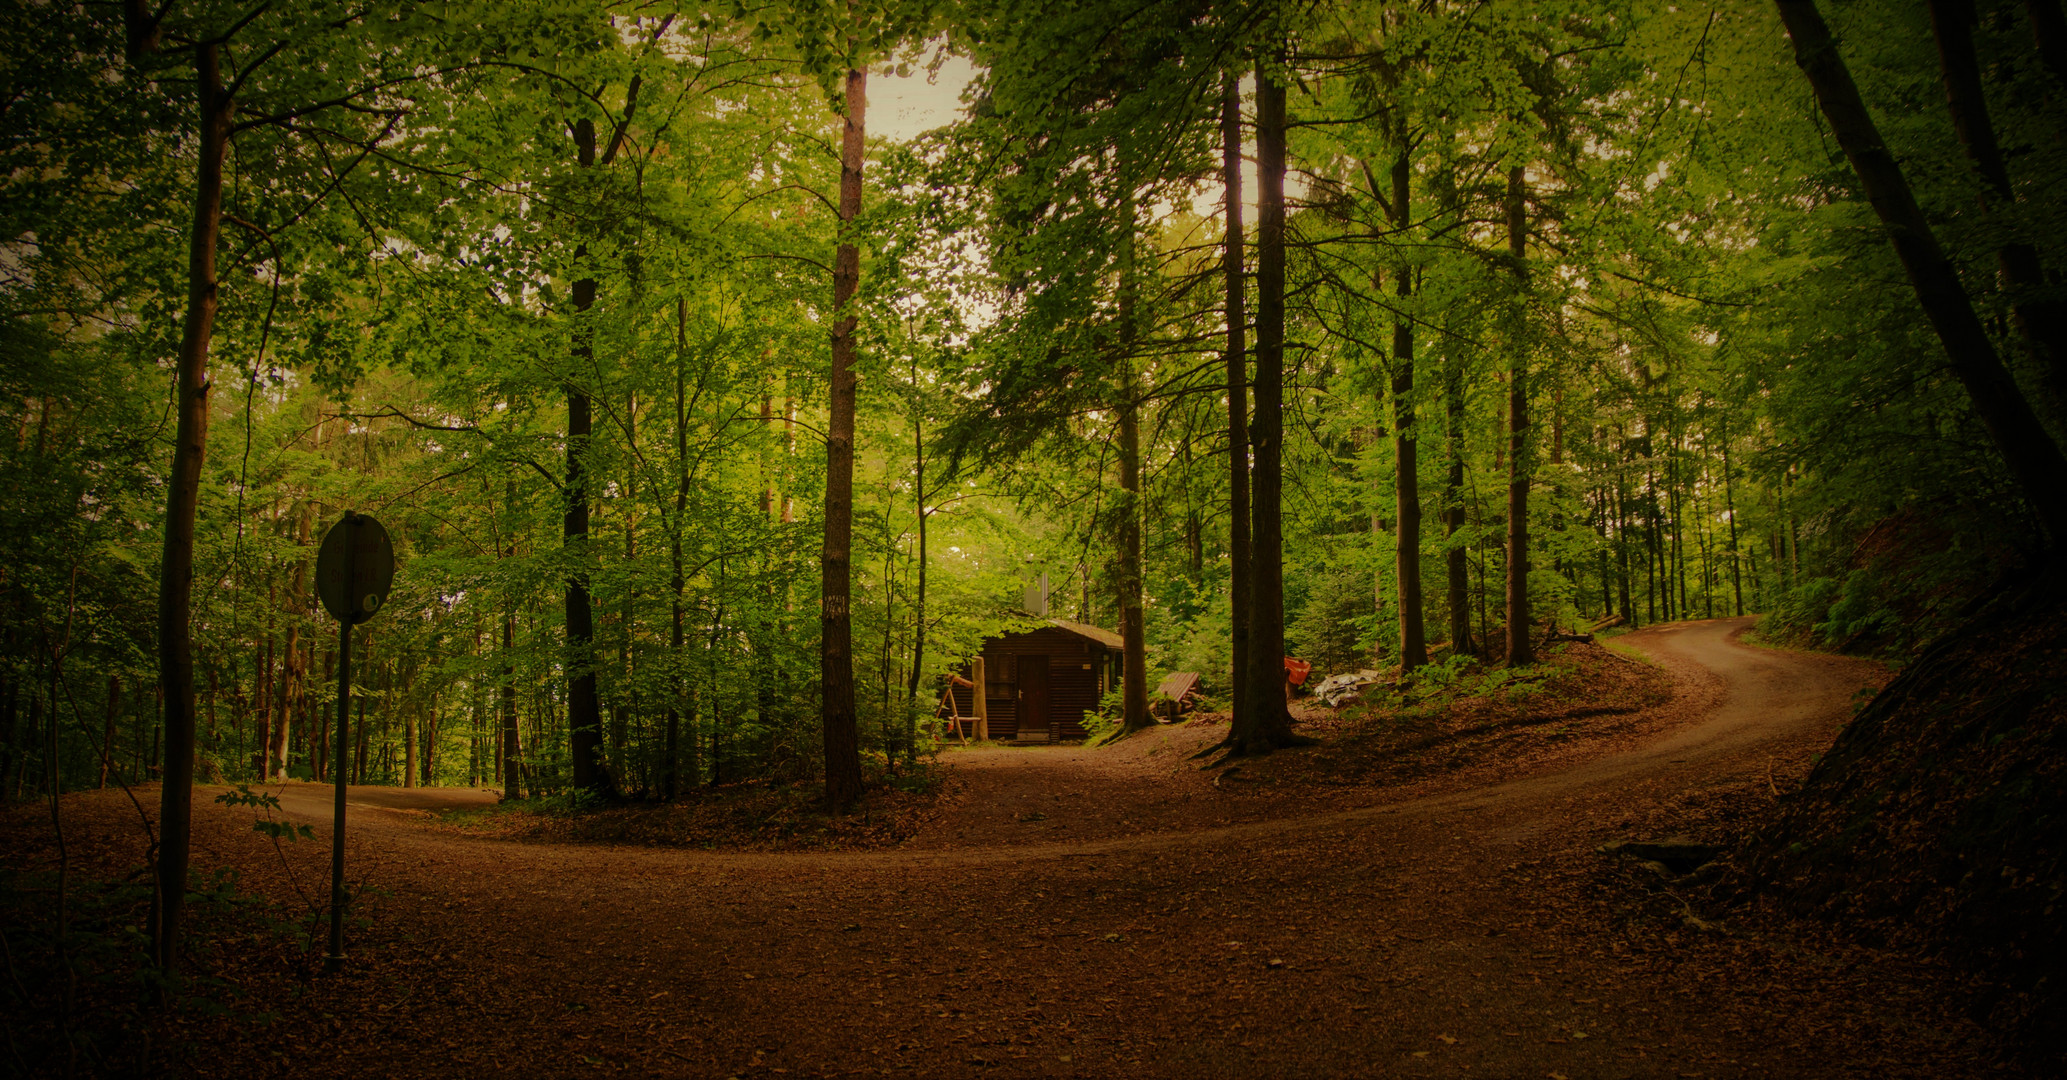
(1456,559)
(509,750)
(1133,627)
(918,649)
(1128,508)
(176,573)
(1236,356)
(1269,723)
(671,771)
(2034,460)
(1407,478)
(584,710)
(836,640)
(293,666)
(2038,320)
(1519,651)
(107,739)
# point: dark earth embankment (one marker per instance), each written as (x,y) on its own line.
(1937,820)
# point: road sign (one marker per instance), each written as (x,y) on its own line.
(354,569)
(355,558)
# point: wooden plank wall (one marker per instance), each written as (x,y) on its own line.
(1076,676)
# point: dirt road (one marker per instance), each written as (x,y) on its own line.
(1469,933)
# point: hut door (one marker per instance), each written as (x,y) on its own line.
(1033,696)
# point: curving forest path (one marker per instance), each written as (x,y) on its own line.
(1084,913)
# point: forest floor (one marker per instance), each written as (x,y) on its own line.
(1421,897)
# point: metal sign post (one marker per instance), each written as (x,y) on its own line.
(354,570)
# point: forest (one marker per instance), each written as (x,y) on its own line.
(726,375)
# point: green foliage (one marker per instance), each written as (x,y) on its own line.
(1334,624)
(1451,671)
(267,804)
(397,335)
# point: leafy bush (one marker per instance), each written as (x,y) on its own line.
(1448,671)
(1333,627)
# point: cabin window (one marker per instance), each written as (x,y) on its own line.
(1004,669)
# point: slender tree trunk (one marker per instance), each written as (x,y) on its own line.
(1675,495)
(1658,585)
(1128,508)
(279,743)
(320,756)
(1269,722)
(1707,561)
(2038,319)
(767,473)
(836,648)
(622,711)
(1133,627)
(10,738)
(918,651)
(584,710)
(512,771)
(2034,459)
(292,669)
(1519,649)
(1455,558)
(670,776)
(430,742)
(1730,508)
(1407,472)
(262,687)
(411,728)
(1236,357)
(176,576)
(1622,516)
(2049,33)
(789,454)
(107,738)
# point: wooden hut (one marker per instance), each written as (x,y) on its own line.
(1039,684)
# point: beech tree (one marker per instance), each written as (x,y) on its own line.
(565,294)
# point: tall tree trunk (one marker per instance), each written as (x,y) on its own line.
(1407,473)
(107,738)
(293,670)
(1519,651)
(622,716)
(1268,723)
(1455,557)
(584,711)
(1730,507)
(508,749)
(2032,456)
(918,650)
(430,742)
(2049,33)
(1236,357)
(1129,507)
(319,755)
(789,454)
(176,574)
(262,684)
(670,782)
(411,728)
(2037,318)
(836,641)
(1133,627)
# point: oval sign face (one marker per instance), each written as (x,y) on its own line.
(355,563)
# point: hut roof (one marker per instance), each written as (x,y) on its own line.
(1105,638)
